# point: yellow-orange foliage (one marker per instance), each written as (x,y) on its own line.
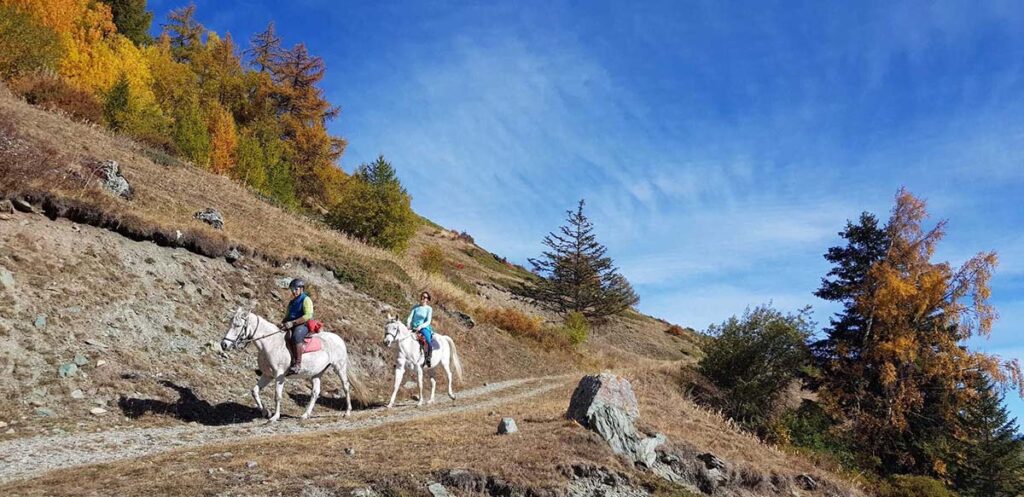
(223,140)
(95,56)
(919,314)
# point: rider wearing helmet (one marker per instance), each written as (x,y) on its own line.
(419,321)
(300,311)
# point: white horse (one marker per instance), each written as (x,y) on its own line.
(274,359)
(410,356)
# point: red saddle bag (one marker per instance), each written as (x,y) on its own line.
(314,326)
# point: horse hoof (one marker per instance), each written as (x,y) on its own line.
(347,413)
(451,396)
(304,416)
(273,419)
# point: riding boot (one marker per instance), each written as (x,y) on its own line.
(299,349)
(426,357)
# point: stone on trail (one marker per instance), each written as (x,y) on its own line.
(97,411)
(251,464)
(507,426)
(77,394)
(6,207)
(40,321)
(351,451)
(212,217)
(81,360)
(45,412)
(112,179)
(283,282)
(67,370)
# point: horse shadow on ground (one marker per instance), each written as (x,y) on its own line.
(189,408)
(335,401)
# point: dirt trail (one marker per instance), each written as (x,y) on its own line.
(31,457)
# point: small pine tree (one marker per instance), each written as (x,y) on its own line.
(990,462)
(575,275)
(184,32)
(374,207)
(132,19)
(117,104)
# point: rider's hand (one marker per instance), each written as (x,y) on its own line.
(287,325)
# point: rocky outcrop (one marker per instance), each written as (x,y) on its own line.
(606,404)
(112,179)
(212,217)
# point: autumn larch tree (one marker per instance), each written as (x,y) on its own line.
(905,347)
(576,275)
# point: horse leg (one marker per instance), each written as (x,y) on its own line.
(419,381)
(312,397)
(343,374)
(399,372)
(448,373)
(433,386)
(262,382)
(278,393)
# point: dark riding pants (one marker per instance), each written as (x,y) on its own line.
(299,333)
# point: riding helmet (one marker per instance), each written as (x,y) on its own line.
(296,283)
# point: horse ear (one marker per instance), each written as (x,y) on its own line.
(391,317)
(252,305)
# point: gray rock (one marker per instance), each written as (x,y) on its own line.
(67,370)
(506,426)
(81,360)
(45,412)
(712,461)
(606,404)
(251,464)
(464,318)
(212,217)
(365,492)
(282,282)
(806,481)
(113,181)
(77,394)
(233,255)
(40,321)
(437,490)
(351,451)
(595,392)
(23,205)
(6,279)
(6,207)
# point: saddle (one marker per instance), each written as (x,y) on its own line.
(313,344)
(434,344)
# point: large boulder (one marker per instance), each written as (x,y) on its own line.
(113,180)
(595,392)
(606,404)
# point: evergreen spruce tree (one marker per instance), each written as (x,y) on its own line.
(132,19)
(575,275)
(117,104)
(374,207)
(991,456)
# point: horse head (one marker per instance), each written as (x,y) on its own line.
(391,330)
(236,329)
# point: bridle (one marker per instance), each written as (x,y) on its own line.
(396,338)
(246,336)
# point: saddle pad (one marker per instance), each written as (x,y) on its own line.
(434,345)
(312,345)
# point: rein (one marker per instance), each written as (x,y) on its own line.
(247,340)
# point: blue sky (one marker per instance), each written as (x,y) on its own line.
(720,146)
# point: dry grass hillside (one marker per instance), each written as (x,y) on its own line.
(144,286)
(136,294)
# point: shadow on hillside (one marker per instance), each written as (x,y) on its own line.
(189,408)
(334,400)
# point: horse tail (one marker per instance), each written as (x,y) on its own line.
(359,391)
(456,364)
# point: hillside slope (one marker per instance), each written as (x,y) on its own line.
(137,292)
